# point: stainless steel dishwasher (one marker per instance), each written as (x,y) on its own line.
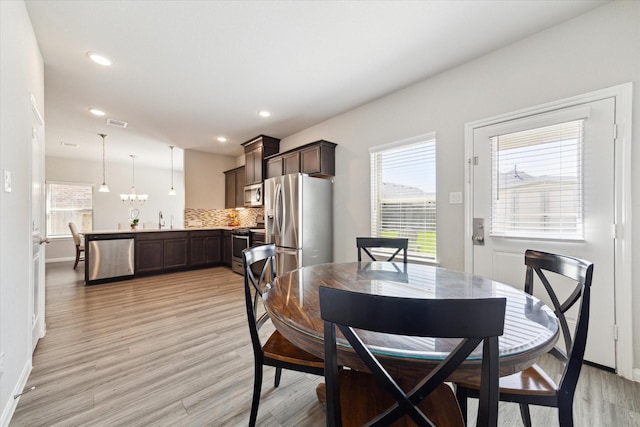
(109,256)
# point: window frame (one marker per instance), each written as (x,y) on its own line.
(376,200)
(48,210)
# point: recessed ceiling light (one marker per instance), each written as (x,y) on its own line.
(264,113)
(99,59)
(222,139)
(68,144)
(97,112)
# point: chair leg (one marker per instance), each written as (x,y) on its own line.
(565,414)
(257,388)
(461,396)
(278,375)
(77,259)
(526,415)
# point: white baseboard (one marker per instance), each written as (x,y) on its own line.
(52,260)
(11,405)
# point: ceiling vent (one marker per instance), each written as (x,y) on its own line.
(117,123)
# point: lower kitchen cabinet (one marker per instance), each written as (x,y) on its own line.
(175,253)
(157,252)
(227,250)
(161,251)
(149,256)
(205,248)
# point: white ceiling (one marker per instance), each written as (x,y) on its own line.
(185,72)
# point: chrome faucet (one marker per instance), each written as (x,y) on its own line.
(160,222)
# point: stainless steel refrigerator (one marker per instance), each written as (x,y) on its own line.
(299,220)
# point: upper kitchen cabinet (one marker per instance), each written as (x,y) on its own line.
(234,188)
(255,151)
(315,159)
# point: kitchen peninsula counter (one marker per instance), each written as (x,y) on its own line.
(114,255)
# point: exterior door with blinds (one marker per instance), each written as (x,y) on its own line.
(546,182)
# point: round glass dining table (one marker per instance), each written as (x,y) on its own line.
(531,328)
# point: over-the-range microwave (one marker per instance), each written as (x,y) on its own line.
(253,195)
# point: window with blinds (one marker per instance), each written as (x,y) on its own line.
(68,202)
(537,183)
(403,194)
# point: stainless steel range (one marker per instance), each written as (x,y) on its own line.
(240,240)
(243,238)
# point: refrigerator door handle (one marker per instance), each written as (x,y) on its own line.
(278,214)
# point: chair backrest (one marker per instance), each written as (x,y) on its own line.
(254,287)
(365,243)
(74,232)
(580,272)
(474,320)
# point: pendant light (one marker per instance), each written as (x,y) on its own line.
(133,197)
(104,188)
(172,191)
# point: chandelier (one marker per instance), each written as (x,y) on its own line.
(133,197)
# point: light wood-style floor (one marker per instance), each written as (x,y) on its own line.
(175,350)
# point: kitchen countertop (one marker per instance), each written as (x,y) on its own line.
(155,230)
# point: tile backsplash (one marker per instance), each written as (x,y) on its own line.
(196,218)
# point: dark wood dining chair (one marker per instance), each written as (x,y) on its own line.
(533,386)
(277,351)
(77,240)
(399,244)
(475,321)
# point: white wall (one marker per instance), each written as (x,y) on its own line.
(108,210)
(21,73)
(594,51)
(204,179)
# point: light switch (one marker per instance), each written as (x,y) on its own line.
(455,198)
(7,181)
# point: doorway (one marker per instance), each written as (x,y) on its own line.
(547,178)
(38,233)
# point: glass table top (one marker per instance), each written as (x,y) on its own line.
(293,301)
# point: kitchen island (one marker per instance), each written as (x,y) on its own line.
(117,255)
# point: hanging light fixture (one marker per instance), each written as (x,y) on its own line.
(133,197)
(104,188)
(172,191)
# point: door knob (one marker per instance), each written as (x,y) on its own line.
(46,240)
(478,231)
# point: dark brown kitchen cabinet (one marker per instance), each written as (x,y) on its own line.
(161,251)
(274,167)
(318,159)
(234,180)
(315,159)
(291,163)
(226,248)
(175,253)
(283,164)
(149,256)
(253,166)
(255,151)
(205,247)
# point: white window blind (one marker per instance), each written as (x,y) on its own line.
(403,195)
(537,183)
(68,202)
